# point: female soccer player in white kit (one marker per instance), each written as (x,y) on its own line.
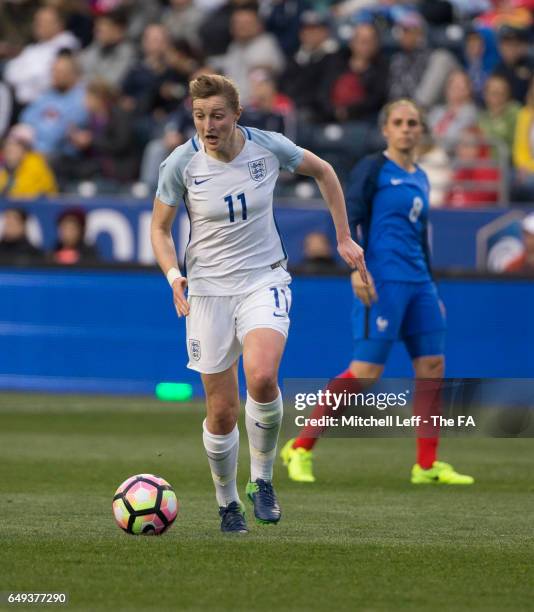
(238,287)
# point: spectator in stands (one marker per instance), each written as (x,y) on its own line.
(309,72)
(214,31)
(318,255)
(359,89)
(209,5)
(283,20)
(268,109)
(524,263)
(30,72)
(475,178)
(144,78)
(182,60)
(348,8)
(78,18)
(14,244)
(54,113)
(516,66)
(178,128)
(481,56)
(497,122)
(251,47)
(417,71)
(142,13)
(71,247)
(24,173)
(107,147)
(102,7)
(523,153)
(469,9)
(458,113)
(434,160)
(436,12)
(15,26)
(506,13)
(110,55)
(183,19)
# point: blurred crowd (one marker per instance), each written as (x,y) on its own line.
(70,248)
(94,93)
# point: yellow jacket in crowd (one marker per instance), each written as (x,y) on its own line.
(524,140)
(32,178)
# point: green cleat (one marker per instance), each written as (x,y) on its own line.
(439,473)
(298,461)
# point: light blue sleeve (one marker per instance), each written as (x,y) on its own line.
(288,153)
(171,185)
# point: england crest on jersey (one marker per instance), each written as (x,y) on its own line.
(258,169)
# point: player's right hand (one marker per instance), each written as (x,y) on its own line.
(365,292)
(180,302)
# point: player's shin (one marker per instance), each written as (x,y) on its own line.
(263,423)
(427,403)
(344,382)
(222,454)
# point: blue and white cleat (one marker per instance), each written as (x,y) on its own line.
(262,495)
(233,518)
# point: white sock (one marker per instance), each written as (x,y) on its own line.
(263,425)
(222,454)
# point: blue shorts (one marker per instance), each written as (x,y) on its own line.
(411,312)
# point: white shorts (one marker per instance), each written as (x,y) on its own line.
(217,325)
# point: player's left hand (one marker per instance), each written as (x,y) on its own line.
(353,255)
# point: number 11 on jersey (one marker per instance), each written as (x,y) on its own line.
(230,201)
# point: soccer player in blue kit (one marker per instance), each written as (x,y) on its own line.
(387,199)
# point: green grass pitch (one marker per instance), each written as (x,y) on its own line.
(361,538)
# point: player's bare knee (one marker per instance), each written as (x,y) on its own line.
(365,371)
(262,384)
(432,366)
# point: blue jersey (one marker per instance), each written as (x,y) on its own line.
(391,205)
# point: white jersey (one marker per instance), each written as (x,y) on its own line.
(234,246)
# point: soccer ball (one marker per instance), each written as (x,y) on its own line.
(145,504)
